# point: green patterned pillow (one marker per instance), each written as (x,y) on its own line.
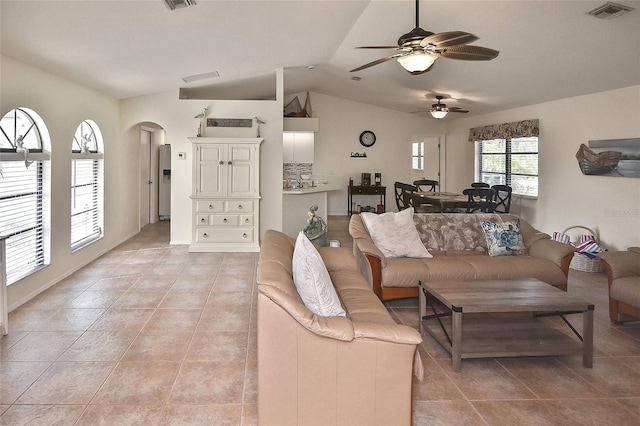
(503,238)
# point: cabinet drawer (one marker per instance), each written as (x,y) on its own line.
(226,220)
(246,220)
(202,220)
(222,235)
(239,206)
(210,206)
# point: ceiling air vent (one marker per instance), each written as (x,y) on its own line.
(178,4)
(610,10)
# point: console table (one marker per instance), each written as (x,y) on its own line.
(366,190)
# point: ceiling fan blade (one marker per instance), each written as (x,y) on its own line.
(450,38)
(377,47)
(377,61)
(468,53)
(456,109)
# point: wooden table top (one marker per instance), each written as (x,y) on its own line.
(508,295)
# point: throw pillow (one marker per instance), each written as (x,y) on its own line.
(503,238)
(312,280)
(395,234)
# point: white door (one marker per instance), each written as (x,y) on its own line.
(145,177)
(433,159)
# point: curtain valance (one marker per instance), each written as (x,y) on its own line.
(516,129)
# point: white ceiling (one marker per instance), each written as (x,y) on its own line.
(548,49)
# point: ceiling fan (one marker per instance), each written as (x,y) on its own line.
(418,49)
(440,110)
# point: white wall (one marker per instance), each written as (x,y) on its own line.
(608,205)
(63,105)
(175,116)
(340,124)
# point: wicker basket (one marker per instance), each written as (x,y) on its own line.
(581,262)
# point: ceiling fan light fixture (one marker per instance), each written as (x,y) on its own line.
(417,61)
(439,113)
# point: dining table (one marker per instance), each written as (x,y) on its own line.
(445,201)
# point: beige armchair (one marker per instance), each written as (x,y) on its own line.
(623,271)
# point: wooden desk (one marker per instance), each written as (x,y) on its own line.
(445,200)
(366,190)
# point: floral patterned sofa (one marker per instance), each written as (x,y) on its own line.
(459,250)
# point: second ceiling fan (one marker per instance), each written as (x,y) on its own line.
(418,49)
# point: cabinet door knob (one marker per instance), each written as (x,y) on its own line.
(210,206)
(221,162)
(239,206)
(205,235)
(246,220)
(202,220)
(244,235)
(229,162)
(225,220)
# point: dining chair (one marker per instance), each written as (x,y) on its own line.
(480,185)
(502,200)
(397,190)
(407,190)
(479,199)
(402,192)
(426,185)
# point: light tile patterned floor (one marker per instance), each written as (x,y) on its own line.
(151,334)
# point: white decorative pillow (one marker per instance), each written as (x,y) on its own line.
(503,238)
(312,280)
(395,234)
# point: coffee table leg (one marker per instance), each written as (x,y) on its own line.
(456,341)
(587,337)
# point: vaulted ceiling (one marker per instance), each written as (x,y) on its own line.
(548,49)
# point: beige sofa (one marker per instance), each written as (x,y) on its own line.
(353,370)
(623,272)
(459,250)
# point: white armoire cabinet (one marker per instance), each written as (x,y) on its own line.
(225,195)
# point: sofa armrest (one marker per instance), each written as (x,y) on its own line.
(621,263)
(339,328)
(555,251)
(368,248)
(394,333)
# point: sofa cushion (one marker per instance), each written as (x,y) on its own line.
(407,272)
(453,231)
(312,280)
(503,238)
(395,234)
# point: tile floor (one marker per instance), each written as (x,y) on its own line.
(151,334)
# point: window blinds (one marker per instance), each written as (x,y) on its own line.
(22,205)
(85,202)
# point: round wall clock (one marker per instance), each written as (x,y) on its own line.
(367,138)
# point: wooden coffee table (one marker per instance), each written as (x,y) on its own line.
(504,318)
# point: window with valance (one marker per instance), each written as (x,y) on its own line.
(515,129)
(507,154)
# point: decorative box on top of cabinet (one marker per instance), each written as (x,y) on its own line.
(226,195)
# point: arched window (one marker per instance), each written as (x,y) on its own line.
(24,192)
(86,185)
